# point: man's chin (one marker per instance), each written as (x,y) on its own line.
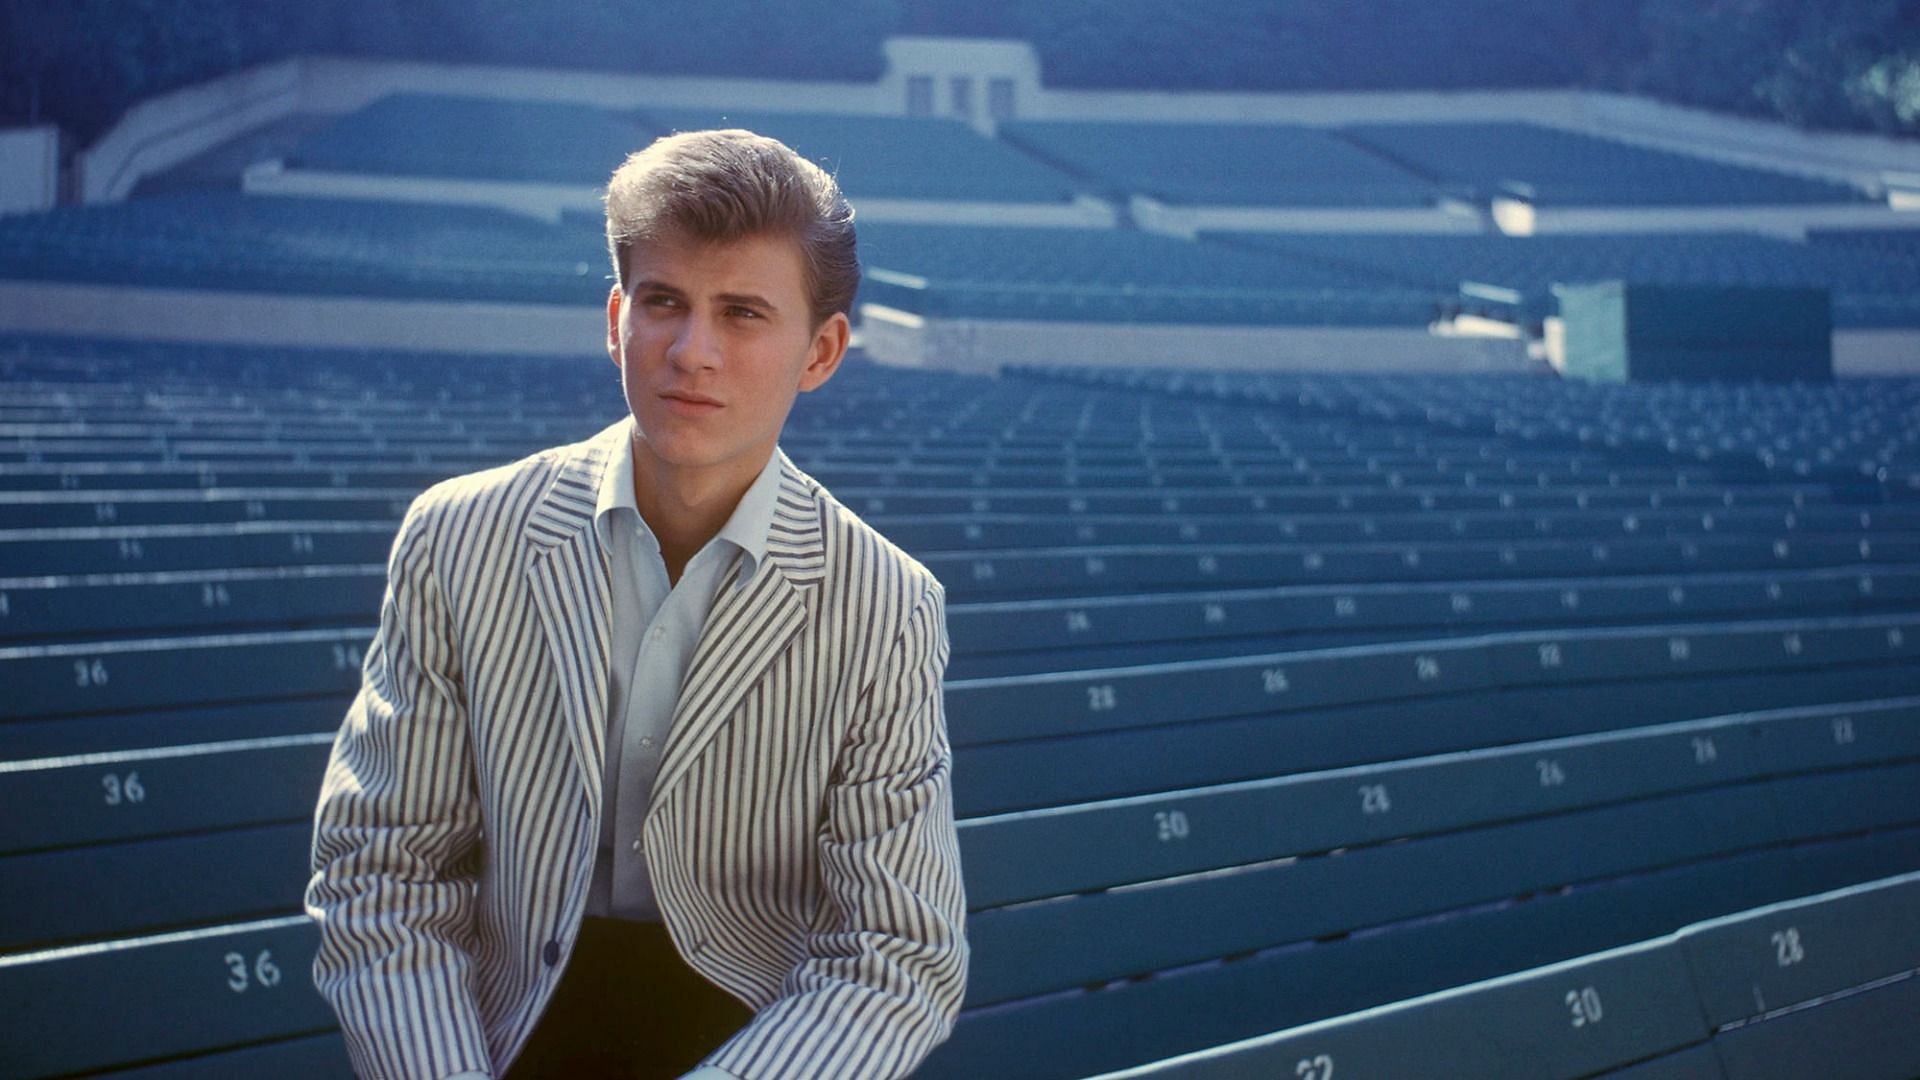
(679,453)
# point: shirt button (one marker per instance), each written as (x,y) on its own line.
(655,633)
(551,954)
(646,742)
(636,845)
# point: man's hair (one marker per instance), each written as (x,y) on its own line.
(722,186)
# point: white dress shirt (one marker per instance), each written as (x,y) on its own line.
(655,628)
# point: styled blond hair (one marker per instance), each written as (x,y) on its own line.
(726,185)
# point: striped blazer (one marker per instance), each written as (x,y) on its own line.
(800,837)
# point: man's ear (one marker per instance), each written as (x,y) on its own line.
(828,349)
(613,324)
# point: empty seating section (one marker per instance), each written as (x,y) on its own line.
(1798,986)
(1282,901)
(1870,288)
(1897,243)
(362,247)
(355,247)
(1554,167)
(891,157)
(423,135)
(1298,721)
(1374,165)
(398,248)
(1860,437)
(888,157)
(1105,275)
(1223,164)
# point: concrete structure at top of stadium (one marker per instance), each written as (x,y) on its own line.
(985,84)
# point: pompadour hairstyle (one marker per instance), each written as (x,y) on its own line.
(727,185)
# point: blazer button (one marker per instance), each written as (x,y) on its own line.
(551,954)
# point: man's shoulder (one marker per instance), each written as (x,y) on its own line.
(855,548)
(503,485)
(512,490)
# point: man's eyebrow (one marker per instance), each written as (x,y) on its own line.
(748,300)
(655,285)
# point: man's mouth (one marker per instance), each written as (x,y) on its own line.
(688,403)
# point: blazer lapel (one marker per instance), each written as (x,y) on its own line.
(748,627)
(567,576)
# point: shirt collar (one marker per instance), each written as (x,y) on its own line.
(747,528)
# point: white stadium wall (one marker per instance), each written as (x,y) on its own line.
(549,201)
(1861,353)
(334,85)
(29,169)
(981,81)
(986,345)
(345,322)
(1785,222)
(162,132)
(1189,221)
(546,201)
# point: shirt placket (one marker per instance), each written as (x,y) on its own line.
(643,744)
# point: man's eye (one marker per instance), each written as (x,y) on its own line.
(737,310)
(659,300)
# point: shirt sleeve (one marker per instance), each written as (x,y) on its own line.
(396,842)
(884,975)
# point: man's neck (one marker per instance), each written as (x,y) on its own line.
(684,508)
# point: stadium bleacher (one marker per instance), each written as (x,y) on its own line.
(893,157)
(430,135)
(1898,243)
(1825,963)
(1554,167)
(223,240)
(1223,164)
(218,239)
(361,247)
(425,135)
(1104,275)
(1870,287)
(1289,709)
(1858,436)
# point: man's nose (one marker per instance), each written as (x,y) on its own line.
(695,345)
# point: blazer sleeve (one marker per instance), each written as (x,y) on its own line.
(396,841)
(886,965)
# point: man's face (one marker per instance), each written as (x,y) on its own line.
(714,341)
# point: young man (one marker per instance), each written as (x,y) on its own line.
(649,770)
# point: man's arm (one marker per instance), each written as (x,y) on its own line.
(395,842)
(886,969)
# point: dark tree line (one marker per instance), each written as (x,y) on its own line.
(1816,63)
(1852,64)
